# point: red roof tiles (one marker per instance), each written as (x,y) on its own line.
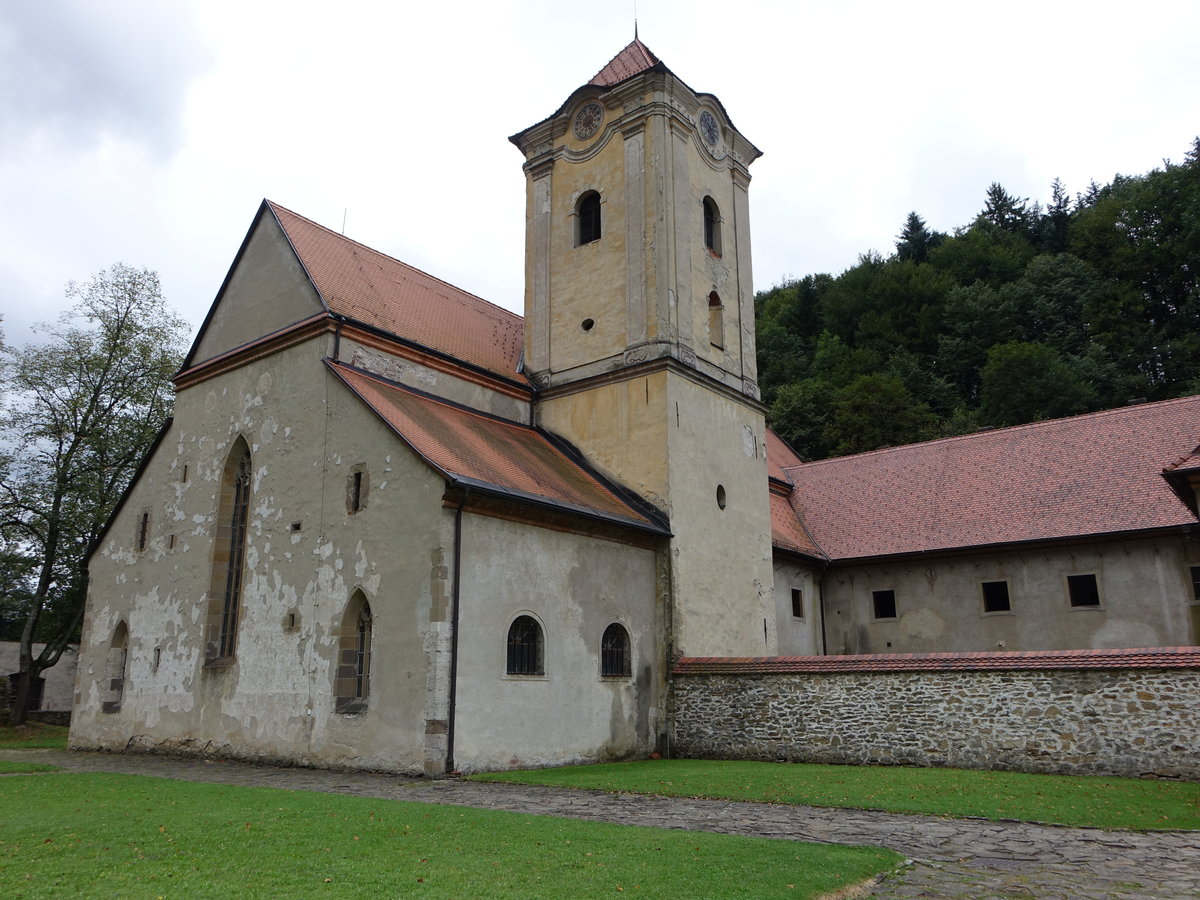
(477,448)
(1089,475)
(788,532)
(1151,658)
(371,287)
(633,60)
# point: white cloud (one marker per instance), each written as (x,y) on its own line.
(149,132)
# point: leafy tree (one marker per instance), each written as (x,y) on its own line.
(876,411)
(82,410)
(1027,382)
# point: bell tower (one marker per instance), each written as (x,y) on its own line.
(639,328)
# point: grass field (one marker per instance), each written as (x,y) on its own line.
(87,835)
(10,768)
(33,736)
(1063,799)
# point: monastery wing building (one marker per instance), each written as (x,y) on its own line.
(393,526)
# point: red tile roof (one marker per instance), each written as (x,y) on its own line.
(633,60)
(780,455)
(475,448)
(1151,658)
(788,532)
(1094,474)
(1189,463)
(370,287)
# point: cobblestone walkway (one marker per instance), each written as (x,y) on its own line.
(952,858)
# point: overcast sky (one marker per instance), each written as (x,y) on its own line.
(147,132)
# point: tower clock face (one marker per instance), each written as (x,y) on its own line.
(708,128)
(588,120)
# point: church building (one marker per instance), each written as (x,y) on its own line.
(393,526)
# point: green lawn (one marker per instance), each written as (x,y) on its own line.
(11,768)
(33,736)
(1064,799)
(87,835)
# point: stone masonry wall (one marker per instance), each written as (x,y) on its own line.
(1131,722)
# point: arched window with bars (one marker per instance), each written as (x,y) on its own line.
(525,647)
(616,660)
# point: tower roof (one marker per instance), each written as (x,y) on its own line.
(633,60)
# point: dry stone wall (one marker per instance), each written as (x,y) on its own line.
(1136,722)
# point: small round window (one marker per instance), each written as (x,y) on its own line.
(587,324)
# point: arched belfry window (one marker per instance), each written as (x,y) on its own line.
(587,214)
(353,680)
(716,321)
(525,647)
(712,226)
(229,555)
(615,658)
(114,669)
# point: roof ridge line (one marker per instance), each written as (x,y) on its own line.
(443,401)
(989,431)
(496,306)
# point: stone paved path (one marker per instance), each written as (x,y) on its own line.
(952,858)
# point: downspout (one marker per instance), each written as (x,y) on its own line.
(337,338)
(454,599)
(821,601)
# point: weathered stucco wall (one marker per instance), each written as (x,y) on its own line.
(1145,591)
(306,555)
(721,576)
(574,586)
(798,635)
(1075,721)
(267,290)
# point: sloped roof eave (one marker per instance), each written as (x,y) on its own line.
(507,493)
(652,525)
(1012,546)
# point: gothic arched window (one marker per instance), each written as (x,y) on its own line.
(114,669)
(229,555)
(353,683)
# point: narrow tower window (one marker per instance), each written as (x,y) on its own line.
(716,321)
(712,226)
(588,215)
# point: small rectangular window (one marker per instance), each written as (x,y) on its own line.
(884,603)
(995,596)
(183,477)
(143,530)
(1083,590)
(358,483)
(797,603)
(1196,584)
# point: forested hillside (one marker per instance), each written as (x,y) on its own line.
(1028,313)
